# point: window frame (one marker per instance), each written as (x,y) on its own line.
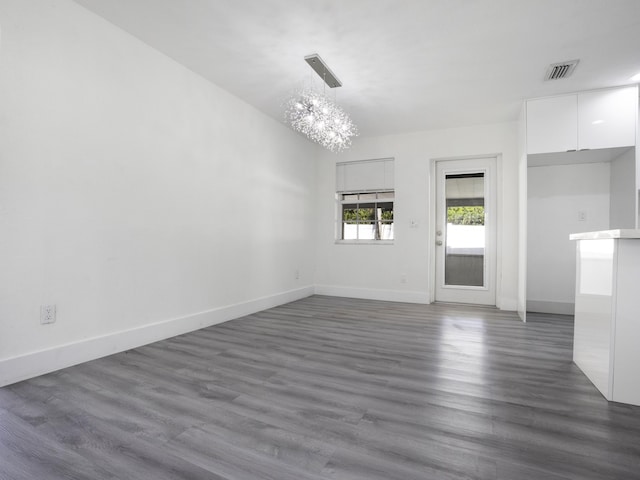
(341,201)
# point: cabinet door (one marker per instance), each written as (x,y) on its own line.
(607,118)
(552,124)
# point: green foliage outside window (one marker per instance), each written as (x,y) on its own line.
(353,216)
(465,215)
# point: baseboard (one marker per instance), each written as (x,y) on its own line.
(558,308)
(391,295)
(30,365)
(373,294)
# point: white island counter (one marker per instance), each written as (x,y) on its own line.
(606,344)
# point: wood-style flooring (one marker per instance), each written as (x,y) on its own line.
(328,388)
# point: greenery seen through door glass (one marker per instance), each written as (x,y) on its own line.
(465,215)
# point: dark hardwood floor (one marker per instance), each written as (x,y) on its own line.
(328,388)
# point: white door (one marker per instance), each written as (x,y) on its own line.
(465,239)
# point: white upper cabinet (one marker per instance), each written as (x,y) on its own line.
(607,118)
(552,124)
(582,121)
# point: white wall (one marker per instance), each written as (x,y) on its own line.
(129,193)
(622,210)
(556,195)
(376,271)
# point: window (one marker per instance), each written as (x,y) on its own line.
(365,194)
(465,234)
(367,216)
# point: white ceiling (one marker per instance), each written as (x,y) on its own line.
(406,65)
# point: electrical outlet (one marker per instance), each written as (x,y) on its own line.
(47,314)
(297,274)
(403,278)
(582,216)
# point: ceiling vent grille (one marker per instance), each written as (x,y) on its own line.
(556,71)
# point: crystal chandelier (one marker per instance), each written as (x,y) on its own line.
(320,119)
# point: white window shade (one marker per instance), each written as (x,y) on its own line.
(363,176)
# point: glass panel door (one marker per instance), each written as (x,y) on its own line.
(465,233)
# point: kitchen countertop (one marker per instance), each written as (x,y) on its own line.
(620,233)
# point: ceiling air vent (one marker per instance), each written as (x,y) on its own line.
(556,71)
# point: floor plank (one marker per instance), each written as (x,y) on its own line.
(328,388)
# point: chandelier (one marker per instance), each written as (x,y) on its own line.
(316,116)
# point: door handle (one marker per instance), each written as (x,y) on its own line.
(439,242)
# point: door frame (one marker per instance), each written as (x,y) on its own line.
(497,186)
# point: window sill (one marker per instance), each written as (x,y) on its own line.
(364,242)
